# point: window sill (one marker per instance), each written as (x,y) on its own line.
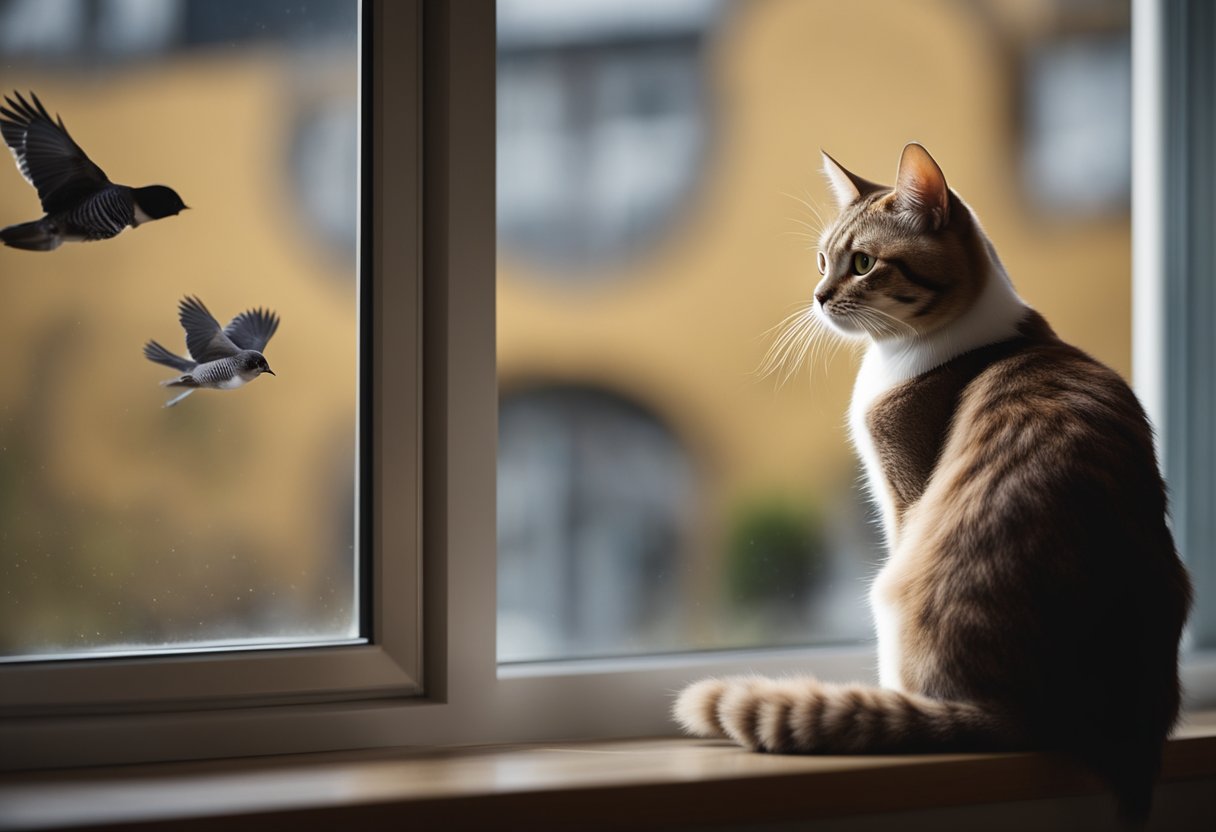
(618,784)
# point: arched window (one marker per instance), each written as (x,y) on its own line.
(595,497)
(601,123)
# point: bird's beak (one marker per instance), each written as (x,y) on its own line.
(268,370)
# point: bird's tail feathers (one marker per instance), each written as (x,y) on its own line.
(805,715)
(153,351)
(39,235)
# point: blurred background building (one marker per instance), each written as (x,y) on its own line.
(230,517)
(659,203)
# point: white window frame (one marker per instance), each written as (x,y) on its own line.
(436,681)
(106,693)
(1173,259)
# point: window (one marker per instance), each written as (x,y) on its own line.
(1176,242)
(602,123)
(324,530)
(595,496)
(1078,123)
(282,701)
(777,543)
(230,519)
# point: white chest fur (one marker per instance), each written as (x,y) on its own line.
(993,317)
(872,382)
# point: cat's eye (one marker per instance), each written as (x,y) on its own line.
(862,263)
(823,263)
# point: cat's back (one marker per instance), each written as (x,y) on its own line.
(1033,409)
(1044,419)
(1012,425)
(1044,515)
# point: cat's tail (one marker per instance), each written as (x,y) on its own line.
(805,715)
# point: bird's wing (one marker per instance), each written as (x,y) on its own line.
(204,338)
(251,329)
(46,155)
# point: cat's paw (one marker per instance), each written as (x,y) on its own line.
(759,714)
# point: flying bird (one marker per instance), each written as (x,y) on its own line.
(224,359)
(80,201)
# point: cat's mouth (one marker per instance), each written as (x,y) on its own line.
(843,318)
(855,320)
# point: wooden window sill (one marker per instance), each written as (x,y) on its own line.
(657,783)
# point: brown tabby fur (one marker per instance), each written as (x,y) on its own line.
(1039,597)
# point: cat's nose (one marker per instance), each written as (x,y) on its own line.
(824,295)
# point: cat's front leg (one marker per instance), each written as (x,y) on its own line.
(887,627)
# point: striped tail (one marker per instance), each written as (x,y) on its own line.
(39,235)
(804,715)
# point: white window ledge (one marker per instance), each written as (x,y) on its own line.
(658,783)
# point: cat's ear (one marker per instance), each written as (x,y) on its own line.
(846,187)
(920,187)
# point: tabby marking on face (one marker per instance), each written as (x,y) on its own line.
(1032,597)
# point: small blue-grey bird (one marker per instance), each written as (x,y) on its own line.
(224,359)
(80,201)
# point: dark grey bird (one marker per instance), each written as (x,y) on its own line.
(80,201)
(224,359)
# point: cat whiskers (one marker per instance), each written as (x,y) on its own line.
(801,333)
(795,333)
(882,324)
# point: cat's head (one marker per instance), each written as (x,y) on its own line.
(898,262)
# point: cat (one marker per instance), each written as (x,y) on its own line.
(1032,597)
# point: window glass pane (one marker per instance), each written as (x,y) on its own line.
(228,519)
(659,203)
